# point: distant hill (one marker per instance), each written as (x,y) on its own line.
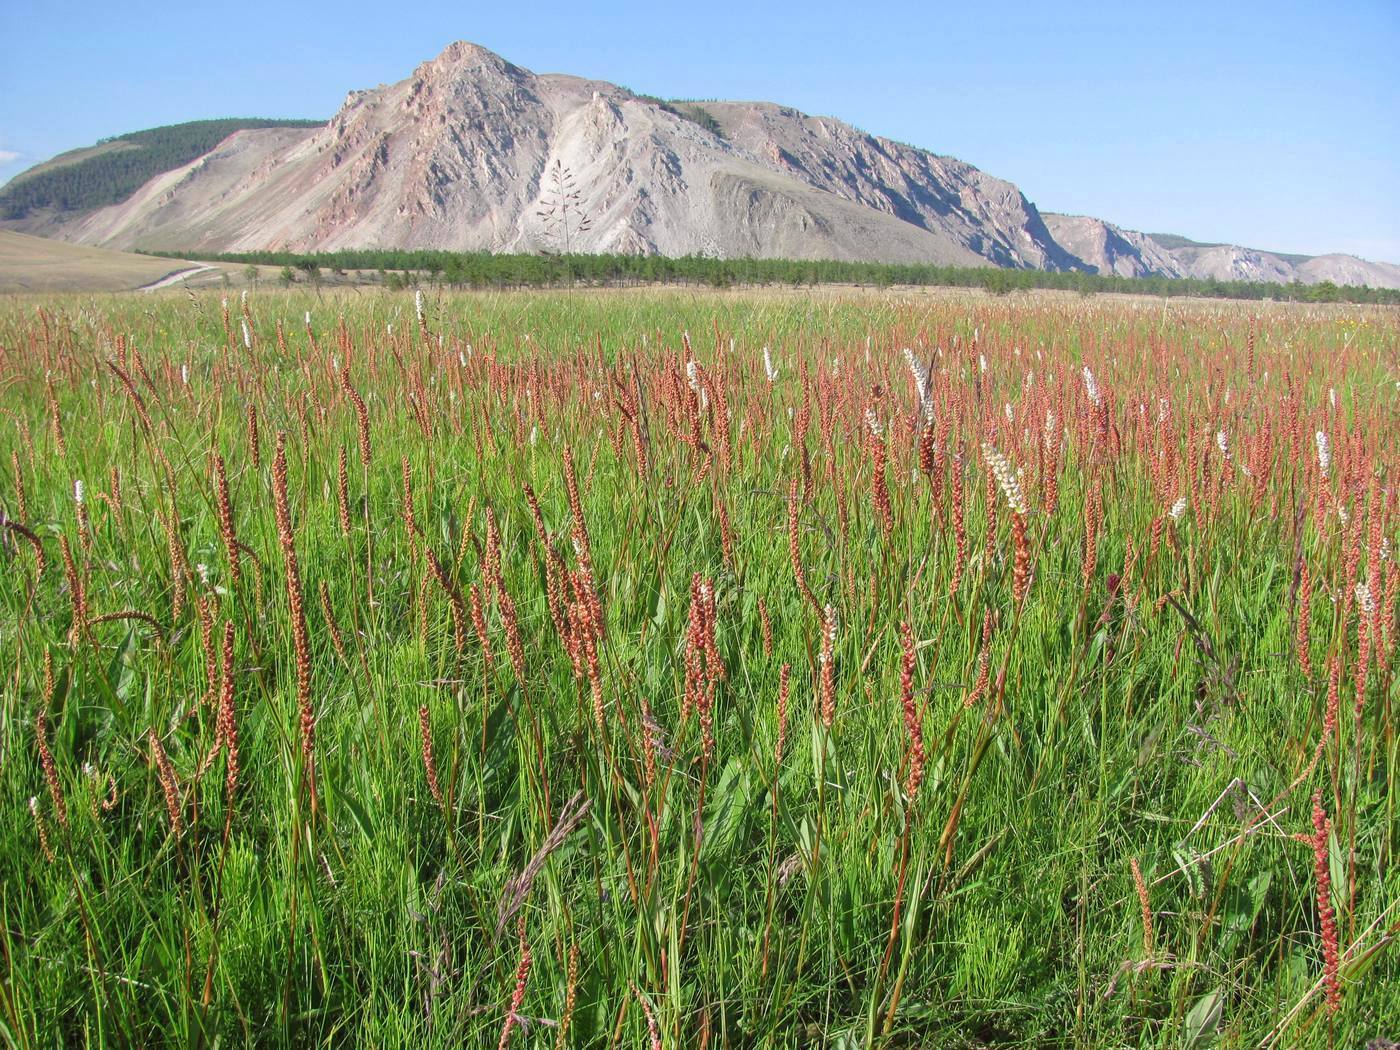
(471,153)
(1108,249)
(1175,240)
(1172,241)
(113,169)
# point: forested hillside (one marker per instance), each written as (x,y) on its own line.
(115,168)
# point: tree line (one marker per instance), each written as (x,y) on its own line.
(487,270)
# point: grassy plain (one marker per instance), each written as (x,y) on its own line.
(38,264)
(663,669)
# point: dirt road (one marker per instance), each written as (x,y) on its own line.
(176,278)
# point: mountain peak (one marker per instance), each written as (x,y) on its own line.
(463,56)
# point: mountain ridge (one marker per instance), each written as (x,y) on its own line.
(1111,249)
(469,152)
(113,168)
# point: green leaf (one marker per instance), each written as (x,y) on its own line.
(1203,1020)
(355,808)
(725,811)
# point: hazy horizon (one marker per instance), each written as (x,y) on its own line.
(1264,126)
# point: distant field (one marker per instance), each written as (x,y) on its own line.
(36,264)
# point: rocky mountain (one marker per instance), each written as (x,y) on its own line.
(1348,269)
(474,153)
(1104,248)
(470,150)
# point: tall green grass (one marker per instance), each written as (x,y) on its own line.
(1152,709)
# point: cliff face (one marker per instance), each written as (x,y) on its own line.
(1106,249)
(473,153)
(985,215)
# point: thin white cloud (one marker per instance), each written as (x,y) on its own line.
(9,156)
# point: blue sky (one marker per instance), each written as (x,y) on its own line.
(1273,125)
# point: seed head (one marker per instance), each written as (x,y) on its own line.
(429,762)
(1006,479)
(769,369)
(913,726)
(825,660)
(1222,441)
(1091,386)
